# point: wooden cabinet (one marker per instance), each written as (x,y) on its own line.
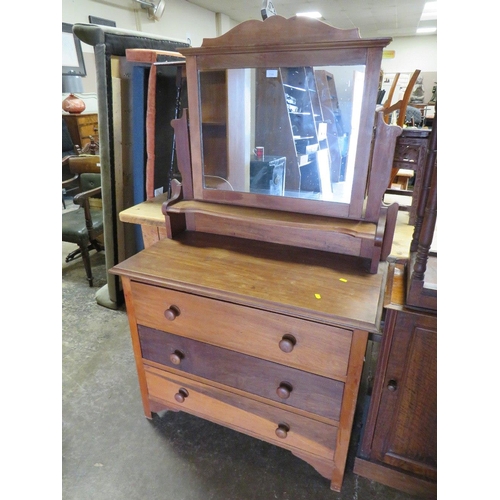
(235,332)
(81,127)
(410,154)
(399,443)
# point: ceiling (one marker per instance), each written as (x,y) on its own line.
(374,18)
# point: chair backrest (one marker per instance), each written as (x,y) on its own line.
(90,181)
(402,104)
(388,101)
(406,98)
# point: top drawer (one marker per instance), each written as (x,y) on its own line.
(302,344)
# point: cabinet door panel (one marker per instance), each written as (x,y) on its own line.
(406,430)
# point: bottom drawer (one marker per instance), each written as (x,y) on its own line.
(274,425)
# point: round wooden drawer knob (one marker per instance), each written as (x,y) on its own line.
(176,357)
(282,430)
(284,390)
(287,343)
(172,312)
(392,385)
(181,395)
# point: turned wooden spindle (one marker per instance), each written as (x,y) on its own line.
(427,231)
(430,166)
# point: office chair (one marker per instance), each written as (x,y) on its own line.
(84,225)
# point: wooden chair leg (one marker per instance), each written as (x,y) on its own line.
(86,262)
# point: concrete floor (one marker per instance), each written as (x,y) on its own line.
(111,451)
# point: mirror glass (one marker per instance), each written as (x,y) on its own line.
(285,131)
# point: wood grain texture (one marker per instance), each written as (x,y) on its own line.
(136,347)
(313,393)
(311,285)
(383,153)
(151,55)
(410,153)
(291,30)
(395,479)
(242,414)
(330,234)
(401,428)
(356,359)
(240,297)
(318,348)
(148,212)
(413,405)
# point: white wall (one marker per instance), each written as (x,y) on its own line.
(411,53)
(182,20)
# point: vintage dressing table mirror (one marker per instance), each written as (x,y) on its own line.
(254,312)
(302,95)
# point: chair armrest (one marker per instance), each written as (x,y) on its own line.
(82,198)
(69,181)
(65,160)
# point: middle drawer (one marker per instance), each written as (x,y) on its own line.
(289,386)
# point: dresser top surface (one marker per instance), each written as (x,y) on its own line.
(314,285)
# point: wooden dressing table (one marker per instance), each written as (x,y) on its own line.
(254,336)
(254,311)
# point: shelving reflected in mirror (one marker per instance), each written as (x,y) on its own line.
(284,131)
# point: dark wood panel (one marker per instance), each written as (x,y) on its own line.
(400,433)
(298,389)
(409,398)
(396,479)
(410,153)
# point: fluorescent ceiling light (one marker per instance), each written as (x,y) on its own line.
(430,12)
(426,30)
(315,15)
(428,19)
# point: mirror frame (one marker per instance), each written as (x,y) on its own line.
(301,42)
